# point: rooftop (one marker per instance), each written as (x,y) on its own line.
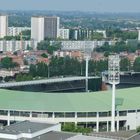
(126,99)
(25,127)
(38,131)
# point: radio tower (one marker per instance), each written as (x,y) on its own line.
(113,79)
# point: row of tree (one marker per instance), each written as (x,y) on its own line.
(67,66)
(124,35)
(45,45)
(118,47)
(70,66)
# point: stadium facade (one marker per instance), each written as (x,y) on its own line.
(88,109)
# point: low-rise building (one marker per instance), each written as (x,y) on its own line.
(83,45)
(14,31)
(11,46)
(64,34)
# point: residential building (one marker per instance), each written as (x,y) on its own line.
(64,34)
(138,35)
(14,31)
(44,27)
(72,54)
(77,45)
(13,45)
(3,25)
(82,45)
(51,27)
(37,28)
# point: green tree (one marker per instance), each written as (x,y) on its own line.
(42,69)
(7,63)
(136,65)
(43,45)
(44,55)
(125,64)
(33,70)
(24,77)
(8,78)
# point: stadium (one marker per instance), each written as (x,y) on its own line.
(87,109)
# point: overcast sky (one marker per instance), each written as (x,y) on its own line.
(69,5)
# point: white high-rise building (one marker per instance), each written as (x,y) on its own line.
(44,27)
(3,25)
(37,28)
(138,35)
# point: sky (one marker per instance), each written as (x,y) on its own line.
(72,5)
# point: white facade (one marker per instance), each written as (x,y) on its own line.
(11,46)
(77,45)
(3,25)
(138,35)
(102,31)
(44,27)
(14,31)
(64,33)
(126,120)
(81,45)
(14,134)
(37,28)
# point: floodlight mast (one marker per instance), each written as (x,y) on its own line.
(87,55)
(113,79)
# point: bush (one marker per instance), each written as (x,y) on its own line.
(138,129)
(71,127)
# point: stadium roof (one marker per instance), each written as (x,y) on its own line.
(126,99)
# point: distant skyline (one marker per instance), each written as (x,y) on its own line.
(72,5)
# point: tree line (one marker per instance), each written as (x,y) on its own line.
(67,67)
(118,47)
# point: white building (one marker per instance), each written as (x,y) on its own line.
(44,27)
(40,131)
(3,25)
(37,28)
(77,45)
(12,45)
(14,31)
(102,31)
(82,45)
(138,35)
(64,34)
(51,27)
(92,109)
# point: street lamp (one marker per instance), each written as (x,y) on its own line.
(113,79)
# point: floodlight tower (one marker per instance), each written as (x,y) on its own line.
(113,79)
(87,55)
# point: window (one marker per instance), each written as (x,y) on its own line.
(103,114)
(122,113)
(3,112)
(91,114)
(14,113)
(131,111)
(59,115)
(70,115)
(81,114)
